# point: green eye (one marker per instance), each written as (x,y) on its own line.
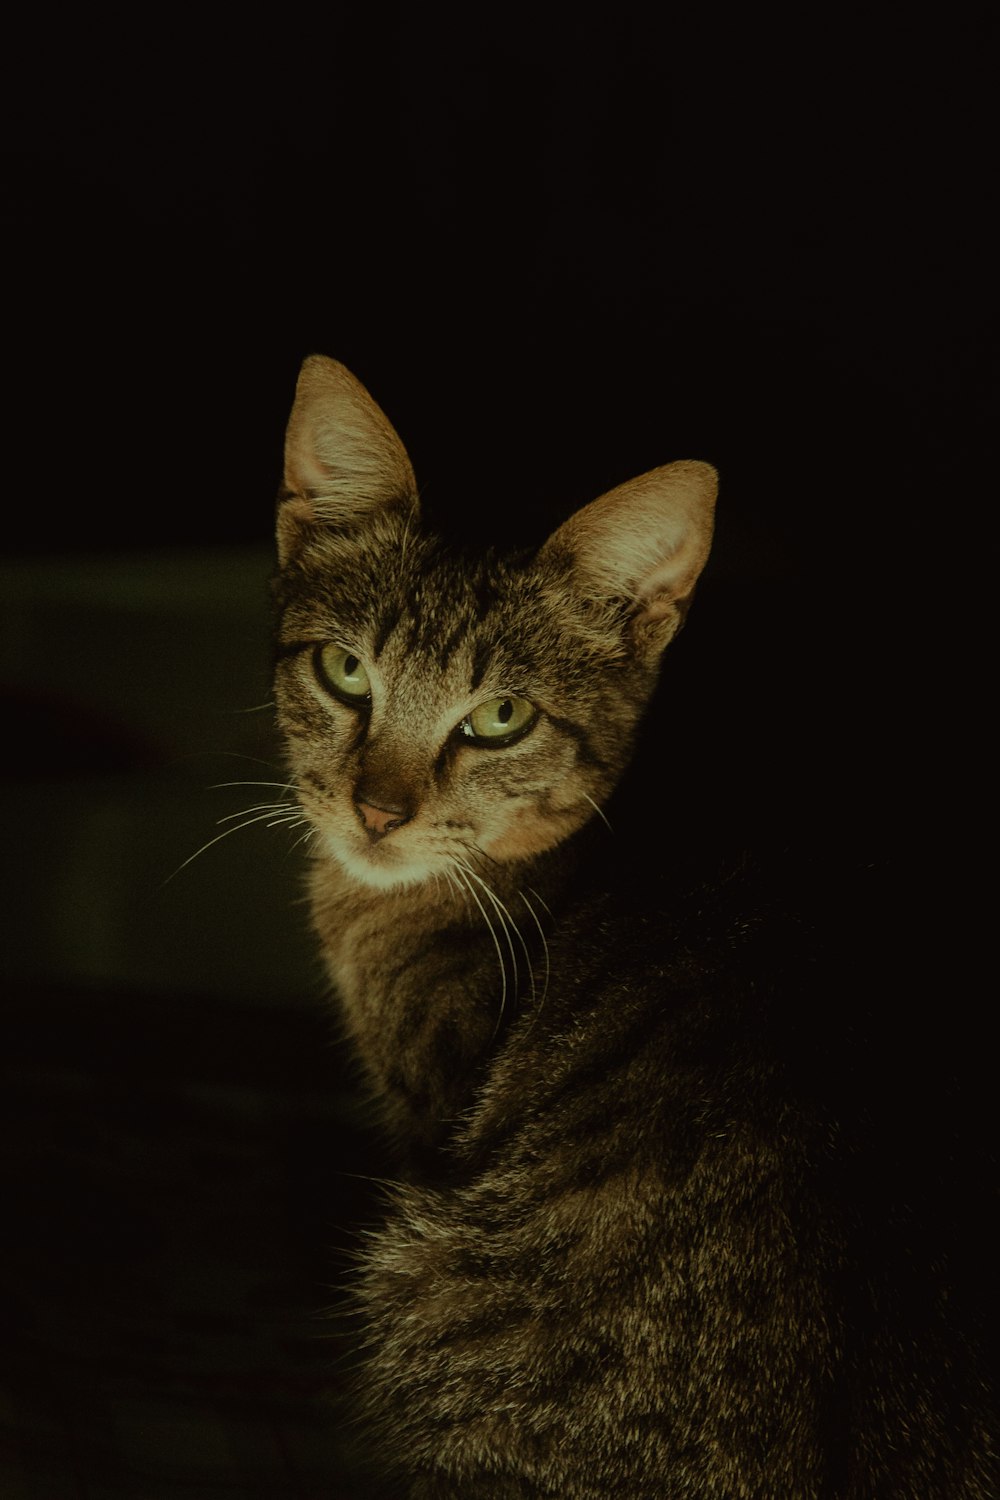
(342,674)
(499,721)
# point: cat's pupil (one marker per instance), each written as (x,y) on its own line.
(351,665)
(505,710)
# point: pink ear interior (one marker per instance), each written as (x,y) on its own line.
(646,540)
(343,457)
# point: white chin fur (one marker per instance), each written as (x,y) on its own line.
(387,876)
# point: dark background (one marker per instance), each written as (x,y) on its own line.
(559,251)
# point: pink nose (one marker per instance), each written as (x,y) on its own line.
(379,821)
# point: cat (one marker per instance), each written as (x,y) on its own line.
(651,1232)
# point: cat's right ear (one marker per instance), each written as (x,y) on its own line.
(646,543)
(343,457)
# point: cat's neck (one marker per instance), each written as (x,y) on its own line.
(431,975)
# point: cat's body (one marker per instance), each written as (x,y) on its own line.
(656,1239)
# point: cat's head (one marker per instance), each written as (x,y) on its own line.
(442,710)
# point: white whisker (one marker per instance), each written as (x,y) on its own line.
(261,807)
(303,838)
(253,760)
(259,818)
(545,946)
(462,877)
(508,924)
(283,786)
(599,811)
(272,814)
(540,899)
(504,916)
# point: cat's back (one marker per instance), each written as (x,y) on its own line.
(685,1208)
(704,1206)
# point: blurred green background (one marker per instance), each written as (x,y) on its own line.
(141,685)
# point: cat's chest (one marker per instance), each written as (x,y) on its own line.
(353,925)
(376,943)
(420,992)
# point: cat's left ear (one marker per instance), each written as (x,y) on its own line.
(344,460)
(645,542)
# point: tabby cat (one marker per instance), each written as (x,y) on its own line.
(652,1232)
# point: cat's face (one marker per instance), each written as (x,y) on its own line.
(445,713)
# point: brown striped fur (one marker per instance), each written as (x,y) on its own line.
(621,1263)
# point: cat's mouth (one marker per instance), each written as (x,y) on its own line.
(384,865)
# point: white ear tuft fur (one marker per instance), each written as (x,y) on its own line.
(646,541)
(343,457)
